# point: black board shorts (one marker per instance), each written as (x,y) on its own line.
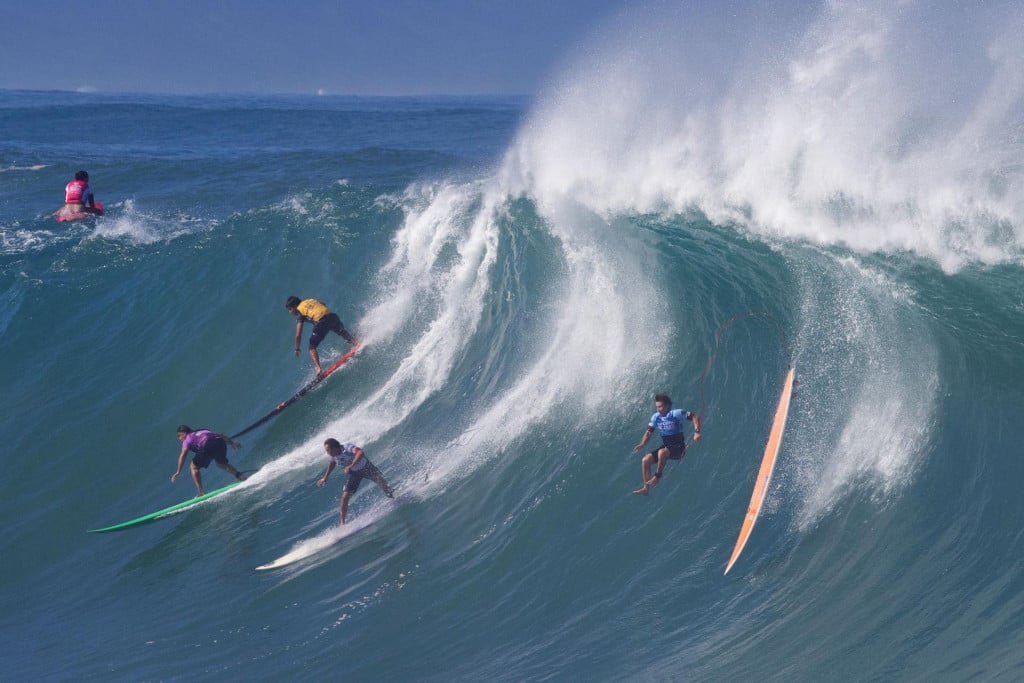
(215,449)
(676,448)
(367,471)
(329,323)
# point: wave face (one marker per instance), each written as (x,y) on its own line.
(525,276)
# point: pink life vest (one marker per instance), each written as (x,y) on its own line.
(75,192)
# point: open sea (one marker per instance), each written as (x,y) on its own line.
(525,273)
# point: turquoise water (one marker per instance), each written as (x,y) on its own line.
(525,275)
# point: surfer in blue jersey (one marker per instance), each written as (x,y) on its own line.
(357,466)
(669,424)
(208,446)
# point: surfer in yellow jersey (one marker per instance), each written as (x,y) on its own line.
(324,321)
(357,466)
(669,423)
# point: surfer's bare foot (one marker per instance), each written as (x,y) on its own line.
(201,493)
(653,481)
(642,491)
(240,476)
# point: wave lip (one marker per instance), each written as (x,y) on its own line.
(860,128)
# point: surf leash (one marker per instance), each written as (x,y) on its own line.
(718,341)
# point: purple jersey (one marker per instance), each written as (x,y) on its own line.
(197,440)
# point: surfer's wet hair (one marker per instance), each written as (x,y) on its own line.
(184,429)
(81,175)
(333,443)
(292,302)
(662,398)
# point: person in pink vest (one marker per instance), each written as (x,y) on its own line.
(78,196)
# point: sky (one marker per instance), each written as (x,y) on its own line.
(333,47)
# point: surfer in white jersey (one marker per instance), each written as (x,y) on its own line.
(357,466)
(669,424)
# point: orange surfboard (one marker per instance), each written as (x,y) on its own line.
(771,451)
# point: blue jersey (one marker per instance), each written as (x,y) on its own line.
(671,424)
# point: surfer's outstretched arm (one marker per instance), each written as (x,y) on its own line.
(643,439)
(298,336)
(330,468)
(181,463)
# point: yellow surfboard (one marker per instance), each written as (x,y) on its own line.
(771,451)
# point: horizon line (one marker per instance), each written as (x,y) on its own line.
(248,93)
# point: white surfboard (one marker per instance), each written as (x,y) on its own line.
(307,548)
(336,534)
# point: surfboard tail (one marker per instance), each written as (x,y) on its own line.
(166,512)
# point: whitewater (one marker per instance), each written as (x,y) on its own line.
(525,274)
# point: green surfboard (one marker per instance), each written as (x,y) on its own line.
(153,516)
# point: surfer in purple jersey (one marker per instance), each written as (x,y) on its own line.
(357,466)
(669,424)
(207,446)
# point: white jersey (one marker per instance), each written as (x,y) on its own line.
(347,455)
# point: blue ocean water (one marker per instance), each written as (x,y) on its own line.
(525,275)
